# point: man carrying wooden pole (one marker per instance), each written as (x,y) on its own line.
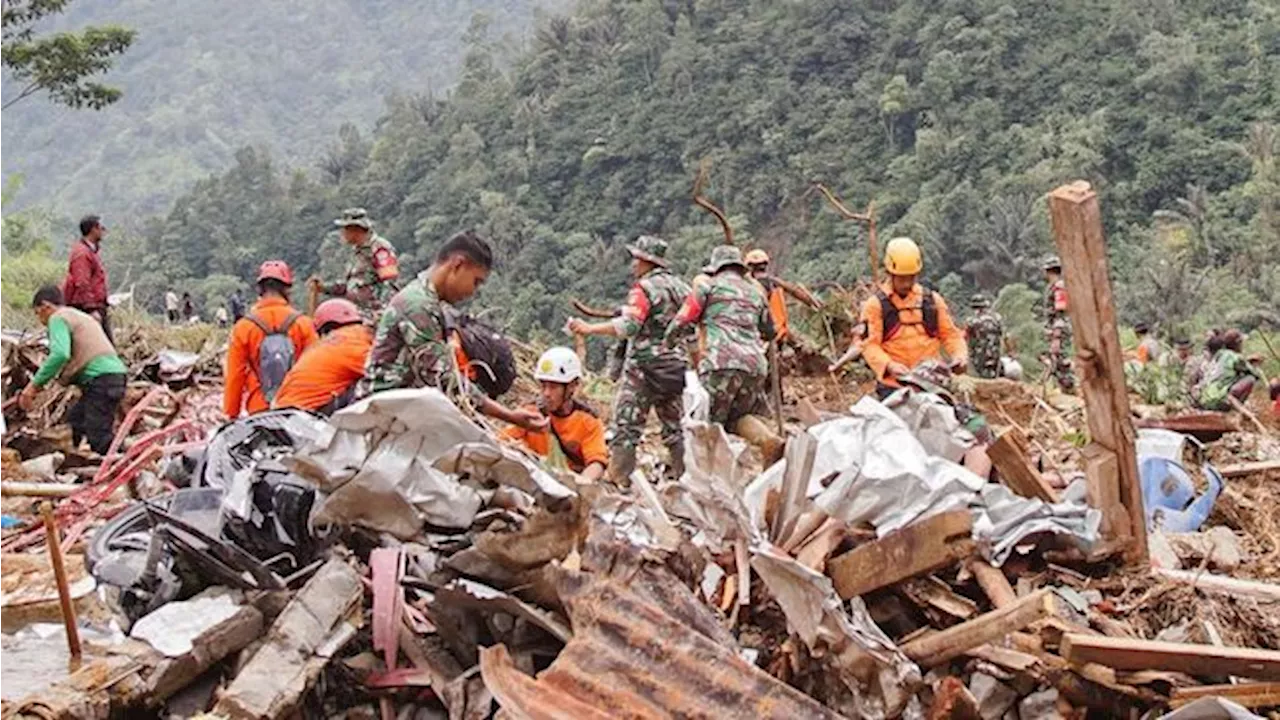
(1112,470)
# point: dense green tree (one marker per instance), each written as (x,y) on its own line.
(63,65)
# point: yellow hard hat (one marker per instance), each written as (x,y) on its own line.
(902,257)
(757,257)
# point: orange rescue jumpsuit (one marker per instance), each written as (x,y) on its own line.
(327,369)
(241,390)
(580,434)
(910,345)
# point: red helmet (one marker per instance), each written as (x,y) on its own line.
(275,270)
(338,311)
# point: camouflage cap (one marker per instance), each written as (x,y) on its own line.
(979,300)
(1051,263)
(354,216)
(650,248)
(723,256)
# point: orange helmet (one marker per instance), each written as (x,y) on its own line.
(337,311)
(275,270)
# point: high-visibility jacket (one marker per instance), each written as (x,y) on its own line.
(327,370)
(778,309)
(580,435)
(909,342)
(241,389)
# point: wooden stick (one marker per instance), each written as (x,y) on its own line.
(1222,585)
(1253,468)
(940,647)
(64,589)
(1250,695)
(1248,413)
(993,583)
(38,489)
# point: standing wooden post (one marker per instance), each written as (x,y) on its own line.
(1077,230)
(54,542)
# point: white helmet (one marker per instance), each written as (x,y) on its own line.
(558,365)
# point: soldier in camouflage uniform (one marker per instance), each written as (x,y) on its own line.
(652,375)
(373,274)
(735,313)
(412,347)
(1058,325)
(985,333)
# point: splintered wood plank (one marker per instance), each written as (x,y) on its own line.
(1250,695)
(993,582)
(1010,456)
(940,647)
(1209,660)
(919,548)
(1102,490)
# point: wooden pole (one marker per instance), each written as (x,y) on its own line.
(60,576)
(1077,231)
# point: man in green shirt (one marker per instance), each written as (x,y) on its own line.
(80,354)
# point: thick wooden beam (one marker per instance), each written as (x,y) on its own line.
(1102,491)
(937,648)
(1077,230)
(1009,454)
(1203,660)
(919,548)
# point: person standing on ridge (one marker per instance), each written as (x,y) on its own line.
(264,344)
(85,287)
(373,272)
(906,322)
(985,334)
(652,374)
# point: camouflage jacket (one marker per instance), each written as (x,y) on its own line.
(735,313)
(371,276)
(1055,301)
(411,347)
(650,307)
(985,333)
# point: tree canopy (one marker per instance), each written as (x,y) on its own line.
(61,64)
(954,117)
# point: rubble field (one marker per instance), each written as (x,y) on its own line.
(399,561)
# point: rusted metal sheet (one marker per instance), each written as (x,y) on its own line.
(643,647)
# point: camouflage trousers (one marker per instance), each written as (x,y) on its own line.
(984,366)
(735,393)
(631,407)
(1059,331)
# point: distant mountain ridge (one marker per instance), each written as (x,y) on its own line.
(207,77)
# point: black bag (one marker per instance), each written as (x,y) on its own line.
(488,351)
(665,377)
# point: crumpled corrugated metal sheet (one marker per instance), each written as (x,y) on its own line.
(643,647)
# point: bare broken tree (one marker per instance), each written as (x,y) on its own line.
(868,217)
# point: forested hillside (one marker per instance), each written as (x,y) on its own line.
(205,77)
(954,117)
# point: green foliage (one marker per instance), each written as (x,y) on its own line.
(61,64)
(205,78)
(955,118)
(27,259)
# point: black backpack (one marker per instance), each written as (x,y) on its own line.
(488,350)
(892,322)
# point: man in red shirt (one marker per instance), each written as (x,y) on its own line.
(85,287)
(247,385)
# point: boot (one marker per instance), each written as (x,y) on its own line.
(677,459)
(756,431)
(622,463)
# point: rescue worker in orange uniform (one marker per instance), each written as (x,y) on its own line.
(574,426)
(907,323)
(252,377)
(776,291)
(324,378)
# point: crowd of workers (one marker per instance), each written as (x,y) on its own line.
(376,333)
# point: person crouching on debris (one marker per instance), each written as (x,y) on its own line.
(81,353)
(265,344)
(733,309)
(412,346)
(907,323)
(324,378)
(573,427)
(1229,375)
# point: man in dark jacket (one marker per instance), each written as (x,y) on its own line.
(85,288)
